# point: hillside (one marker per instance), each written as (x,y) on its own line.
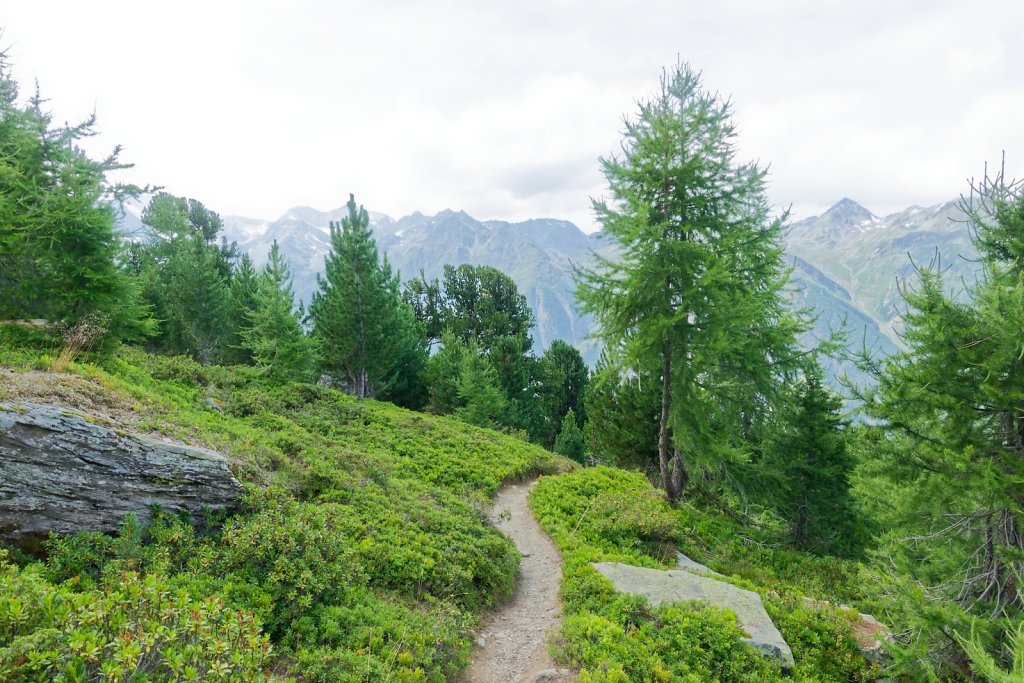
(360,551)
(867,256)
(538,254)
(847,262)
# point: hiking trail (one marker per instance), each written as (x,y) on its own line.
(510,646)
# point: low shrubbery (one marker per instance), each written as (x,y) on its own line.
(605,514)
(360,552)
(129,628)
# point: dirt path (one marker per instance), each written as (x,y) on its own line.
(510,646)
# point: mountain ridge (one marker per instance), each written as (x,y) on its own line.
(848,263)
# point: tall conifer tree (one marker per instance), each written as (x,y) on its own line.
(58,248)
(274,336)
(358,313)
(952,407)
(697,292)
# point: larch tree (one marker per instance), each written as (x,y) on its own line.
(952,408)
(59,252)
(698,289)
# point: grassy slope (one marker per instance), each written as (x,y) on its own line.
(605,514)
(360,551)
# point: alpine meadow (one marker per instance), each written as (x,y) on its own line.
(344,448)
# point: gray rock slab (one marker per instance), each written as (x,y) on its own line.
(684,562)
(64,472)
(676,585)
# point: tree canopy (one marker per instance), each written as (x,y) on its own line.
(697,291)
(369,335)
(59,253)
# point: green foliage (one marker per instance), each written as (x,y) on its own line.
(481,400)
(563,378)
(808,457)
(570,439)
(289,556)
(58,249)
(942,468)
(132,628)
(479,307)
(244,289)
(360,548)
(604,514)
(274,336)
(369,335)
(472,302)
(185,276)
(988,667)
(622,417)
(696,294)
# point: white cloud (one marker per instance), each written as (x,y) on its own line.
(502,109)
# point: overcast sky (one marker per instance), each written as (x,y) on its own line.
(502,108)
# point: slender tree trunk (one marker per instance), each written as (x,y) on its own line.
(669,477)
(361,380)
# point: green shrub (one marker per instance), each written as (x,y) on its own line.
(292,557)
(360,544)
(133,628)
(605,514)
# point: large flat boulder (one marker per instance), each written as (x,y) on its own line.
(62,472)
(676,585)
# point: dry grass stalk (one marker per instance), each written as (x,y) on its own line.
(78,339)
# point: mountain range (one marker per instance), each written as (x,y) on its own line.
(848,264)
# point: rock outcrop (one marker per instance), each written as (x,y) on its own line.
(870,634)
(684,562)
(62,472)
(675,585)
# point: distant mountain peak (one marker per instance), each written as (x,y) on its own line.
(847,212)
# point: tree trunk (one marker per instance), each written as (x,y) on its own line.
(671,483)
(361,380)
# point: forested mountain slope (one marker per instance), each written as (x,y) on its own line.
(847,262)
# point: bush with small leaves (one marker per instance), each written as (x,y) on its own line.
(132,628)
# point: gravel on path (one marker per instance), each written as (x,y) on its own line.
(511,646)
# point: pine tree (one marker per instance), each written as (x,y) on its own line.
(358,312)
(570,439)
(472,302)
(58,249)
(442,375)
(185,275)
(697,291)
(563,383)
(274,335)
(809,457)
(243,292)
(482,402)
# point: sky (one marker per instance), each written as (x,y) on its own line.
(502,109)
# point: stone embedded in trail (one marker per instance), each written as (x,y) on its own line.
(676,585)
(64,472)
